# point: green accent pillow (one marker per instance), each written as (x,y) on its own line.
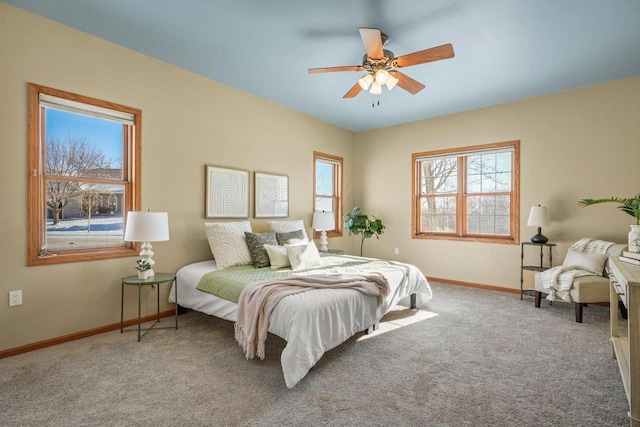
(283,238)
(255,243)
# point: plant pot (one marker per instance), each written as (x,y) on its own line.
(143,275)
(634,239)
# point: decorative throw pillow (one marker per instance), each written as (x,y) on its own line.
(283,238)
(588,261)
(227,242)
(255,243)
(285,226)
(303,256)
(278,257)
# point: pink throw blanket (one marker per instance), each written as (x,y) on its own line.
(258,300)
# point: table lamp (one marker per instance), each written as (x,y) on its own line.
(147,227)
(323,221)
(537,218)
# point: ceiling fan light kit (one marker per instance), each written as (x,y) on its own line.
(376,89)
(381,65)
(365,81)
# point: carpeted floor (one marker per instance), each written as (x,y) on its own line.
(474,358)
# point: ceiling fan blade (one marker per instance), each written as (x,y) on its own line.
(354,91)
(333,69)
(407,83)
(372,39)
(428,55)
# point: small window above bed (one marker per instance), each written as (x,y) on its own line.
(327,189)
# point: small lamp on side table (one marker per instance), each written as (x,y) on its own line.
(323,221)
(147,227)
(539,217)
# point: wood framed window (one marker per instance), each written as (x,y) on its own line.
(327,189)
(84,176)
(470,193)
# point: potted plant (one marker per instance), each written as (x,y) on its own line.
(144,268)
(629,206)
(360,223)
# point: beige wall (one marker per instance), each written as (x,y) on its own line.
(188,121)
(583,143)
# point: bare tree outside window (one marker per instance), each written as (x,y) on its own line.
(472,194)
(71,157)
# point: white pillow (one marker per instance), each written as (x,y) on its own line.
(277,256)
(286,226)
(303,256)
(227,242)
(588,261)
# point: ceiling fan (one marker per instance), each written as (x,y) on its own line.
(381,65)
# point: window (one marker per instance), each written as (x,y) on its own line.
(84,175)
(469,193)
(327,190)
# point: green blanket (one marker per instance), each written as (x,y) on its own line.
(229,282)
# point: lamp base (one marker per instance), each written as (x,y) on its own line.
(539,238)
(323,241)
(146,255)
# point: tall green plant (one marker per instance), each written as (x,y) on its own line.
(363,224)
(629,206)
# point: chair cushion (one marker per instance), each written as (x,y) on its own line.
(586,289)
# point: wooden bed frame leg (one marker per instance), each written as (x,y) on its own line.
(412,304)
(372,328)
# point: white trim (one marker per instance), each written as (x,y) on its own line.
(453,155)
(86,109)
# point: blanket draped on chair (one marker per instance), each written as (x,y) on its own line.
(258,300)
(559,279)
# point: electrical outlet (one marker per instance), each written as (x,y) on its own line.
(15,298)
(396,251)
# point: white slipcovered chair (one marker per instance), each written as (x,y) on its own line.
(585,289)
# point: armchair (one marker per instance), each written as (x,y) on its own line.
(586,289)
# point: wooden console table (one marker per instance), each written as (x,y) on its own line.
(625,286)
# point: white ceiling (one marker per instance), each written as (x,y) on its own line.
(505,50)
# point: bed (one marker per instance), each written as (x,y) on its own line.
(318,320)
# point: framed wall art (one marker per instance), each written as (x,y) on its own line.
(227,192)
(271,193)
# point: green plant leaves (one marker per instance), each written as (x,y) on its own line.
(629,206)
(360,223)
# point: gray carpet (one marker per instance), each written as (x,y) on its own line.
(474,358)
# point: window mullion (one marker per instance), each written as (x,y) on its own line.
(461,210)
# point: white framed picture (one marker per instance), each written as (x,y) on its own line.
(271,195)
(227,192)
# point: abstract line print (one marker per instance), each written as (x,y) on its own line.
(227,194)
(271,195)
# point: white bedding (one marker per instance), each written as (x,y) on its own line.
(310,322)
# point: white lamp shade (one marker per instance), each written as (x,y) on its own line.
(538,217)
(323,221)
(147,227)
(381,76)
(391,82)
(365,81)
(376,89)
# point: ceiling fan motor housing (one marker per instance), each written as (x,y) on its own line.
(387,62)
